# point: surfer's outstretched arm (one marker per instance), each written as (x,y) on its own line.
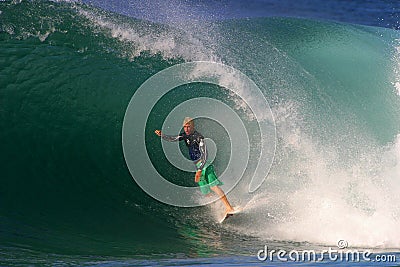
(169,138)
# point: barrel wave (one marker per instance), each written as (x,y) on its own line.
(68,72)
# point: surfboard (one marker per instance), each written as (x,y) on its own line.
(230,214)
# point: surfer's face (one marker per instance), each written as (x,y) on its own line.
(188,128)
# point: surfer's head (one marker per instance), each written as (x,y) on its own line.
(188,125)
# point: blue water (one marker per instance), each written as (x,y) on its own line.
(329,69)
(379,13)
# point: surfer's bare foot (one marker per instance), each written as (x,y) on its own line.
(234,210)
(228,211)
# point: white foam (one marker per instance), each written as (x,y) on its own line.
(149,37)
(313,197)
(43,36)
(397,86)
(245,95)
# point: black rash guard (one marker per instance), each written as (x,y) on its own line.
(195,143)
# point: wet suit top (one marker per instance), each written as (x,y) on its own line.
(196,145)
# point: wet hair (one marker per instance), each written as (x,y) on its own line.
(188,120)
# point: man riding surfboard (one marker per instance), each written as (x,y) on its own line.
(205,175)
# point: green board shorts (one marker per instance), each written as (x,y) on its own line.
(208,178)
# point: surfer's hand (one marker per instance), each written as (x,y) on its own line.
(158,132)
(197,177)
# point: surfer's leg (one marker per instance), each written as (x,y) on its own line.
(222,195)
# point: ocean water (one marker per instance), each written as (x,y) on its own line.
(328,70)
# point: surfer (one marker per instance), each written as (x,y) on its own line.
(205,175)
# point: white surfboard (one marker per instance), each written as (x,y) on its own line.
(230,214)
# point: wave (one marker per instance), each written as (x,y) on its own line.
(69,71)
